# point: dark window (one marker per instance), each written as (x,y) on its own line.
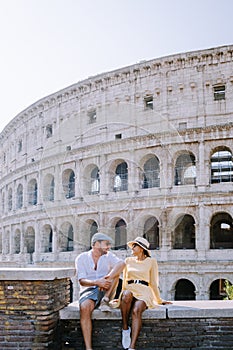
(121,178)
(184,234)
(221,167)
(185,290)
(221,231)
(219,92)
(151,173)
(49,130)
(92,116)
(148,101)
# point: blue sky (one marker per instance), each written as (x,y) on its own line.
(47,45)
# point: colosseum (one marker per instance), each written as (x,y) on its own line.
(144,150)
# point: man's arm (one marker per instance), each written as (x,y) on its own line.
(102,283)
(116,270)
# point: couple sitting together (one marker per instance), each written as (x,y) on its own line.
(98,272)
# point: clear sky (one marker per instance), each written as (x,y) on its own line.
(47,45)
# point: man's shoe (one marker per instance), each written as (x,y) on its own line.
(104,305)
(126,338)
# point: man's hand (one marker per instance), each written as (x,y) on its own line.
(104,283)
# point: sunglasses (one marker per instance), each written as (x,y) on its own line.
(135,245)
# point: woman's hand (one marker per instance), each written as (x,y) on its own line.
(164,302)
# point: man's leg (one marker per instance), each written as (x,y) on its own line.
(86,309)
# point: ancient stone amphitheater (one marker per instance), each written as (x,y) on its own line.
(145,150)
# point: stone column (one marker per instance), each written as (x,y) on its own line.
(202,232)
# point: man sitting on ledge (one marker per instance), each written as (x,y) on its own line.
(98,272)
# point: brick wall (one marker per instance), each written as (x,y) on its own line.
(181,326)
(182,334)
(29,307)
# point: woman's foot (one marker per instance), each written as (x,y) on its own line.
(126,338)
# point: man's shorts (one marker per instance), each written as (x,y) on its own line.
(92,293)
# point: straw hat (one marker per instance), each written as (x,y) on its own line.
(142,242)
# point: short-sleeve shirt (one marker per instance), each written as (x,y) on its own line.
(85,266)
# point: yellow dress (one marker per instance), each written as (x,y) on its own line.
(146,270)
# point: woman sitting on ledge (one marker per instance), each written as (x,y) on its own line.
(139,290)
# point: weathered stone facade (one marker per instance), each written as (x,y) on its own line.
(142,150)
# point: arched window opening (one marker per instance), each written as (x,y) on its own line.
(17,242)
(46,239)
(50,246)
(218,289)
(32,192)
(19,199)
(93,230)
(185,170)
(49,130)
(95,181)
(70,243)
(48,188)
(184,233)
(120,235)
(151,174)
(10,199)
(6,242)
(151,232)
(221,231)
(121,178)
(51,190)
(69,183)
(184,290)
(221,167)
(66,238)
(30,240)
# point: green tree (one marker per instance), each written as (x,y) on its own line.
(229,290)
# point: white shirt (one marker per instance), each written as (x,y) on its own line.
(85,266)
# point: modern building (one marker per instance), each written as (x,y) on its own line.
(145,150)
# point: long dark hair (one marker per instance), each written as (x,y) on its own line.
(146,253)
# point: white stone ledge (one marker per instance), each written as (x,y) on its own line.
(178,309)
(34,274)
(201,309)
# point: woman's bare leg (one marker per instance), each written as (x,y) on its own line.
(138,308)
(126,302)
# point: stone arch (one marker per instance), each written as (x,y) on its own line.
(47,239)
(185,169)
(221,231)
(150,169)
(221,165)
(16,242)
(29,240)
(66,237)
(48,188)
(217,289)
(89,228)
(19,196)
(184,232)
(68,183)
(32,192)
(184,290)
(151,232)
(120,228)
(119,175)
(91,179)
(9,199)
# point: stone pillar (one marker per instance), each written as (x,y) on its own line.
(202,233)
